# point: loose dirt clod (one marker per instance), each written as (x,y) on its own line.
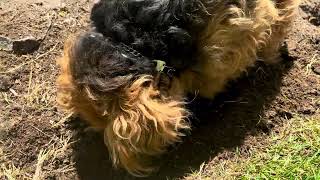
(26,45)
(5,83)
(316,68)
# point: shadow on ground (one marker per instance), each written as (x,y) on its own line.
(219,125)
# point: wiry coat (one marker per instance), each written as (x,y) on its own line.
(109,77)
(158,29)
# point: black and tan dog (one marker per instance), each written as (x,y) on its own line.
(129,75)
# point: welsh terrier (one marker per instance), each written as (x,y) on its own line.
(130,74)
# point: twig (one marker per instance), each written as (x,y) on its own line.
(309,66)
(30,79)
(49,27)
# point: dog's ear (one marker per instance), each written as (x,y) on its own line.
(143,126)
(65,84)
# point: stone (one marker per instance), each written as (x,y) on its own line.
(26,45)
(5,44)
(316,68)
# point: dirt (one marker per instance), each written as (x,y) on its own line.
(238,119)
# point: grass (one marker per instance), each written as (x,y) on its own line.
(292,153)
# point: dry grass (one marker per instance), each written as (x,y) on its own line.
(315,59)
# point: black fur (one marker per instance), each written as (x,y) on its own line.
(129,34)
(105,66)
(158,29)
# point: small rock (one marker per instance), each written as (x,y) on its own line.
(26,45)
(316,68)
(5,83)
(5,44)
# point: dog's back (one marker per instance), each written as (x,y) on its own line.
(158,29)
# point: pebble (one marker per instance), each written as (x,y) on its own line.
(5,44)
(316,68)
(5,83)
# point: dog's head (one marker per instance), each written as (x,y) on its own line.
(104,65)
(113,88)
(108,76)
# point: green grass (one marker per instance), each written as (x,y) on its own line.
(292,153)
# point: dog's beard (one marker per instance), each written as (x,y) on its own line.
(138,121)
(144,125)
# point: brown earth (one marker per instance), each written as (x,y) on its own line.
(238,119)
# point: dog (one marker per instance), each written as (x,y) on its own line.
(129,76)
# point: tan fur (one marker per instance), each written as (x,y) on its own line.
(233,39)
(137,123)
(70,97)
(141,121)
(144,126)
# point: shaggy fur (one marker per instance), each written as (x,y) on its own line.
(137,120)
(108,75)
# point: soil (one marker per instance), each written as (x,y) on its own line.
(238,119)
